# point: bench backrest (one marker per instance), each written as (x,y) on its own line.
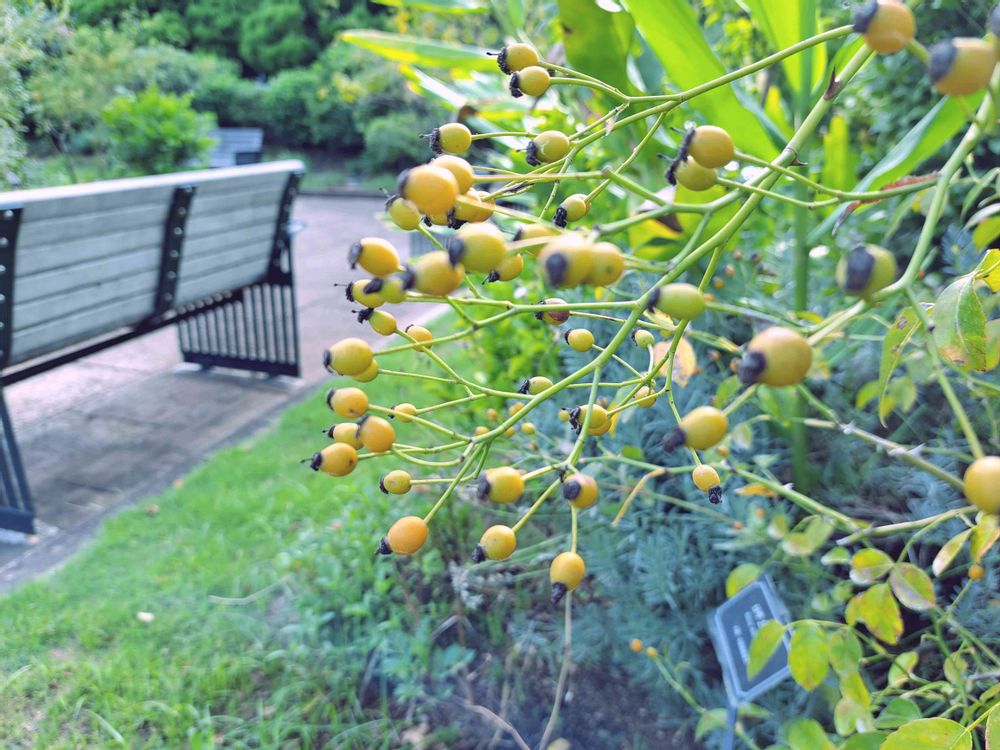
(87,258)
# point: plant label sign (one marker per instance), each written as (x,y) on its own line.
(733,626)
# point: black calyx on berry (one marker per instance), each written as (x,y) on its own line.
(674,440)
(364,314)
(559,219)
(864,16)
(381,485)
(531,155)
(860,264)
(751,367)
(434,139)
(515,86)
(715,494)
(478,554)
(383,547)
(558,592)
(354,254)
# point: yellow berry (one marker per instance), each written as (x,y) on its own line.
(565,573)
(419,334)
(517,56)
(573,208)
(382,323)
(346,432)
(350,356)
(887,25)
(336,459)
(503,484)
(366,292)
(700,429)
(403,412)
(580,339)
(705,477)
(368,374)
(528,428)
(460,169)
(350,403)
(566,260)
(533,232)
(982,483)
(976,572)
(693,176)
(776,356)
(392,289)
(432,190)
(643,338)
(508,269)
(651,652)
(636,645)
(514,408)
(434,274)
(645,397)
(961,66)
(403,213)
(478,247)
(681,301)
(405,536)
(396,482)
(452,138)
(535,385)
(711,146)
(481,430)
(377,256)
(376,434)
(580,490)
(496,543)
(553,317)
(547,147)
(607,265)
(865,270)
(473,207)
(533,81)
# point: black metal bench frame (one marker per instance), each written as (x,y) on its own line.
(251,328)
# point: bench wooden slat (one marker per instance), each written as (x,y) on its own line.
(72,302)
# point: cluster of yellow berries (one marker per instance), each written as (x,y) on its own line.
(957,67)
(442,193)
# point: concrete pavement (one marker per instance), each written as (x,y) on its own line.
(87,430)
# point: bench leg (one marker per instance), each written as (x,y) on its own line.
(253,329)
(15,499)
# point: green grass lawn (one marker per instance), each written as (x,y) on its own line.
(217,665)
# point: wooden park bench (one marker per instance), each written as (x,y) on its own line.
(85,267)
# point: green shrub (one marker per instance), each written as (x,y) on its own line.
(389,141)
(155,132)
(165,27)
(215,26)
(273,37)
(302,110)
(235,101)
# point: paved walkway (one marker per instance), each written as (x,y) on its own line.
(121,425)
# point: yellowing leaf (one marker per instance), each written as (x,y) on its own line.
(880,613)
(902,668)
(808,657)
(869,565)
(685,362)
(765,642)
(929,734)
(989,270)
(960,325)
(756,489)
(993,730)
(948,552)
(845,652)
(984,536)
(741,577)
(913,587)
(807,734)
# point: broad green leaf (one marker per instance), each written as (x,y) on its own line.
(865,394)
(840,156)
(948,552)
(727,389)
(895,341)
(808,657)
(913,587)
(671,29)
(929,734)
(806,734)
(456,7)
(989,270)
(597,40)
(869,566)
(923,140)
(810,539)
(785,24)
(984,536)
(414,50)
(741,577)
(774,108)
(865,741)
(852,612)
(993,729)
(710,721)
(903,393)
(765,642)
(845,652)
(880,613)
(960,325)
(898,712)
(986,229)
(847,714)
(902,668)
